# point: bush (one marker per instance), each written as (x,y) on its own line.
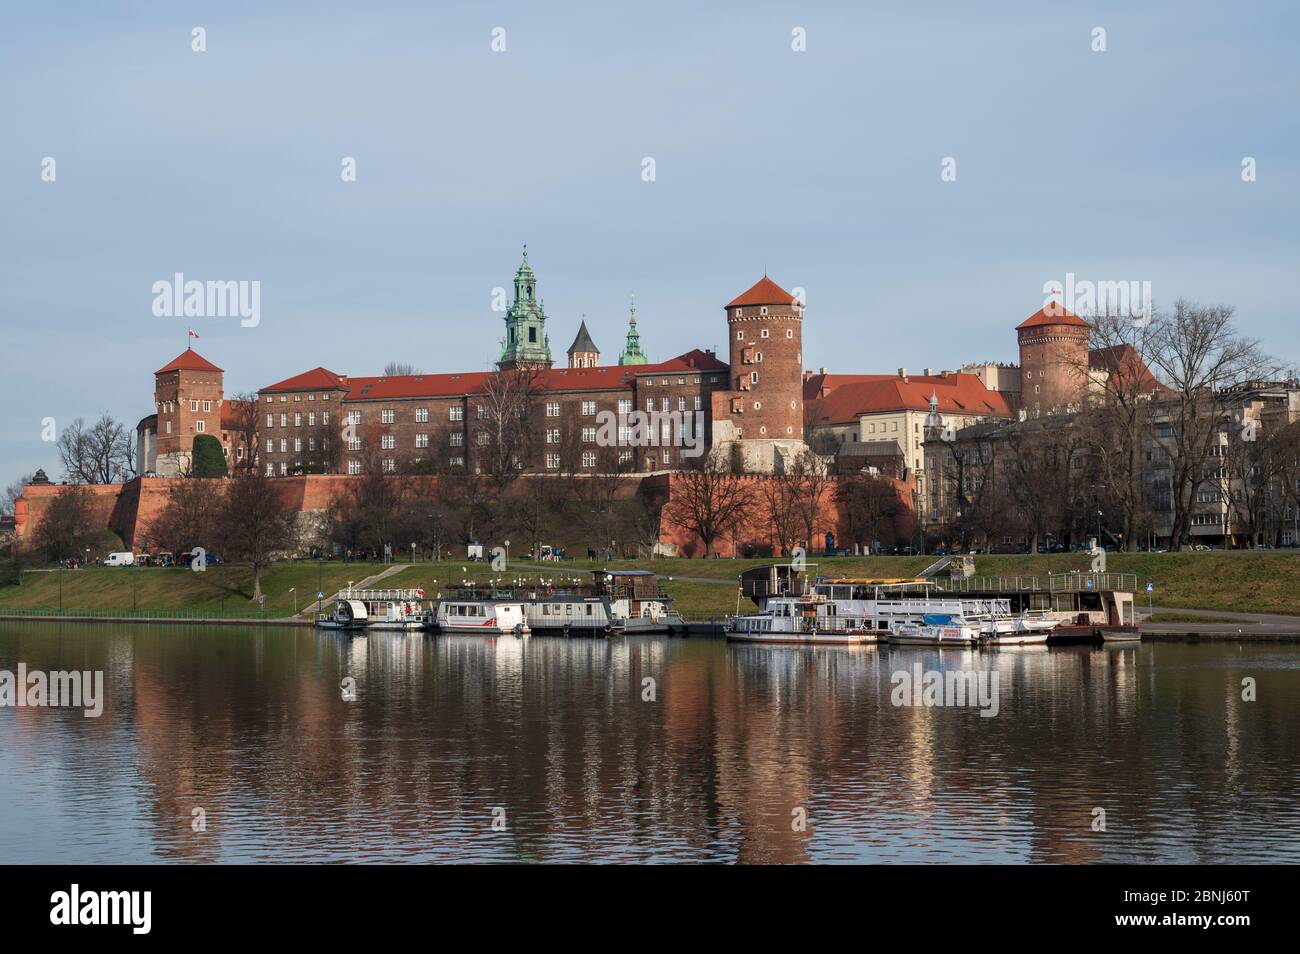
(207,459)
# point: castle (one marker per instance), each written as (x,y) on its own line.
(759,406)
(320,421)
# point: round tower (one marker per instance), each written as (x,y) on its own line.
(765,328)
(1053,359)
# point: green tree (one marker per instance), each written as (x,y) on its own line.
(207,459)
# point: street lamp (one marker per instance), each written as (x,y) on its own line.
(1098,528)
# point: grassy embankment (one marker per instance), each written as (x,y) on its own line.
(1264,582)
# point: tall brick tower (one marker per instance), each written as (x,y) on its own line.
(1053,359)
(187,392)
(764,400)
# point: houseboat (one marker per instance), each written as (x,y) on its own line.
(376,609)
(481,616)
(637,602)
(800,619)
(346,614)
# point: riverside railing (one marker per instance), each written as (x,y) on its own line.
(54,611)
(1071,582)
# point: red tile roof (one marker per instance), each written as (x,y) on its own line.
(188,360)
(317,379)
(1052,314)
(844,397)
(1123,360)
(764,292)
(231,413)
(391,387)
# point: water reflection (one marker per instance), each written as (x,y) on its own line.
(739,744)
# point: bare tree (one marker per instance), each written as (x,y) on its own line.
(101,453)
(778,497)
(1039,471)
(188,518)
(1199,354)
(11,494)
(256,524)
(709,500)
(1120,395)
(809,476)
(67,525)
(872,508)
(503,431)
(397,369)
(243,413)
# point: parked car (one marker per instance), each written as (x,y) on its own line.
(122,558)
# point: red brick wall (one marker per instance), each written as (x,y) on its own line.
(756,531)
(129,509)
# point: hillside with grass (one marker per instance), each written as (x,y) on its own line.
(1235,581)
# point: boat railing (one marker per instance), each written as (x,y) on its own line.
(1071,582)
(347,593)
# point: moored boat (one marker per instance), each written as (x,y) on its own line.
(346,614)
(482,617)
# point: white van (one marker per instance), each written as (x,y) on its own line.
(119,559)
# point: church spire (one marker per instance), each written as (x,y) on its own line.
(526,343)
(632,353)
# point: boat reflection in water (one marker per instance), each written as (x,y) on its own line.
(306,745)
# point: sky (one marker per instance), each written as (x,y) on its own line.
(821,166)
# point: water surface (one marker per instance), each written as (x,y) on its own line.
(552,740)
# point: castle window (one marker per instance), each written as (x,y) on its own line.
(421,415)
(198,426)
(758,405)
(457,413)
(297,419)
(387,441)
(552,408)
(753,377)
(297,397)
(297,445)
(457,438)
(759,357)
(789,332)
(552,461)
(270,468)
(421,440)
(270,420)
(194,405)
(763,333)
(681,403)
(386,416)
(284,468)
(699,403)
(532,333)
(589,460)
(589,435)
(588,408)
(311,418)
(270,399)
(740,336)
(284,419)
(207,406)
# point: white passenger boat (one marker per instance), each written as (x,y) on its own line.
(482,617)
(800,620)
(346,614)
(388,609)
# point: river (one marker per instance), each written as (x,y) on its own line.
(223,744)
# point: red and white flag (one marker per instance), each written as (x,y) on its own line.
(193,333)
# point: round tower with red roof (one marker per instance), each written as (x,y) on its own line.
(765,393)
(1053,359)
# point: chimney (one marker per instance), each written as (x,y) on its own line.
(929,371)
(902,373)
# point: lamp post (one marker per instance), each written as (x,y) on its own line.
(1098,528)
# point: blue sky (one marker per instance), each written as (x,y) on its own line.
(822,166)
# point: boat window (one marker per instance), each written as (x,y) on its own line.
(588,609)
